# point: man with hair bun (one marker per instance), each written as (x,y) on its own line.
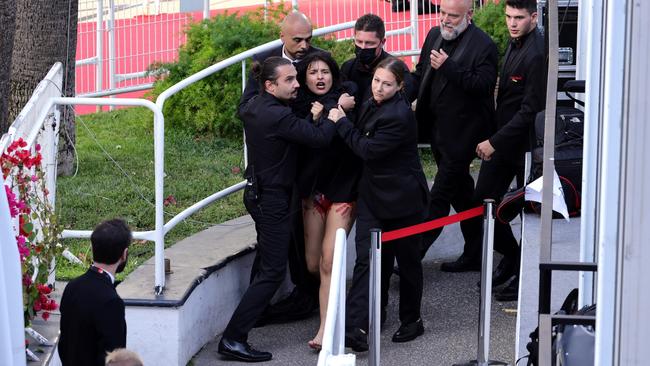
(273,133)
(296,37)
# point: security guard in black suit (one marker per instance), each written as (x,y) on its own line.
(392,194)
(521,95)
(296,35)
(272,134)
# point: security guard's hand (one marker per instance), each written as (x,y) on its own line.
(336,114)
(438,58)
(316,110)
(346,101)
(484,150)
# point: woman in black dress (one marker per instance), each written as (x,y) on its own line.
(392,194)
(327,176)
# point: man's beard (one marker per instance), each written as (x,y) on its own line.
(121,266)
(451,35)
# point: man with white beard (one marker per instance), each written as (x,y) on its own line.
(457,72)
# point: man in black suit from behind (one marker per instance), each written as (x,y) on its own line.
(457,72)
(296,36)
(521,94)
(92,313)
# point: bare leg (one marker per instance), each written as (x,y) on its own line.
(314,223)
(341,215)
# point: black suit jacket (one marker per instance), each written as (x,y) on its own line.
(92,320)
(392,183)
(273,133)
(521,94)
(252,86)
(463,97)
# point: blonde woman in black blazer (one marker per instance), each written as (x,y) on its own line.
(392,194)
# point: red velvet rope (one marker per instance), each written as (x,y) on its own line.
(430,225)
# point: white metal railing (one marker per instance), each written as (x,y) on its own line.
(161,228)
(333,351)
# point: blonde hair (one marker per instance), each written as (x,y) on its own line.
(123,357)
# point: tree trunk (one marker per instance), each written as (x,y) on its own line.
(46,32)
(7,27)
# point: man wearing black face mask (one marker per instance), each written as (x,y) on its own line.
(369,40)
(92,313)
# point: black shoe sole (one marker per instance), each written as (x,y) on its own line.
(237,357)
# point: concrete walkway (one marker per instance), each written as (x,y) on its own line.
(449,310)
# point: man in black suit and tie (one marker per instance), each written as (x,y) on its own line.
(92,313)
(296,36)
(457,72)
(521,94)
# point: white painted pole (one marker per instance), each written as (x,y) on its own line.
(591,12)
(616,30)
(99,67)
(415,42)
(111,46)
(374,305)
(206,9)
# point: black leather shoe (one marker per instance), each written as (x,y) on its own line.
(242,351)
(357,339)
(462,264)
(510,292)
(408,332)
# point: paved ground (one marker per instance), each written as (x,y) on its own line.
(450,313)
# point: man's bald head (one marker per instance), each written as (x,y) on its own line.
(295,33)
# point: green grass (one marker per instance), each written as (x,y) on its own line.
(195,167)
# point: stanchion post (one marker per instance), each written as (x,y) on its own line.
(485,306)
(374,302)
(483,352)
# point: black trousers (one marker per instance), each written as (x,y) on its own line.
(407,253)
(273,225)
(306,284)
(453,186)
(493,182)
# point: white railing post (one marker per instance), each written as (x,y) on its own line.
(206,9)
(333,351)
(99,67)
(111,46)
(374,305)
(415,42)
